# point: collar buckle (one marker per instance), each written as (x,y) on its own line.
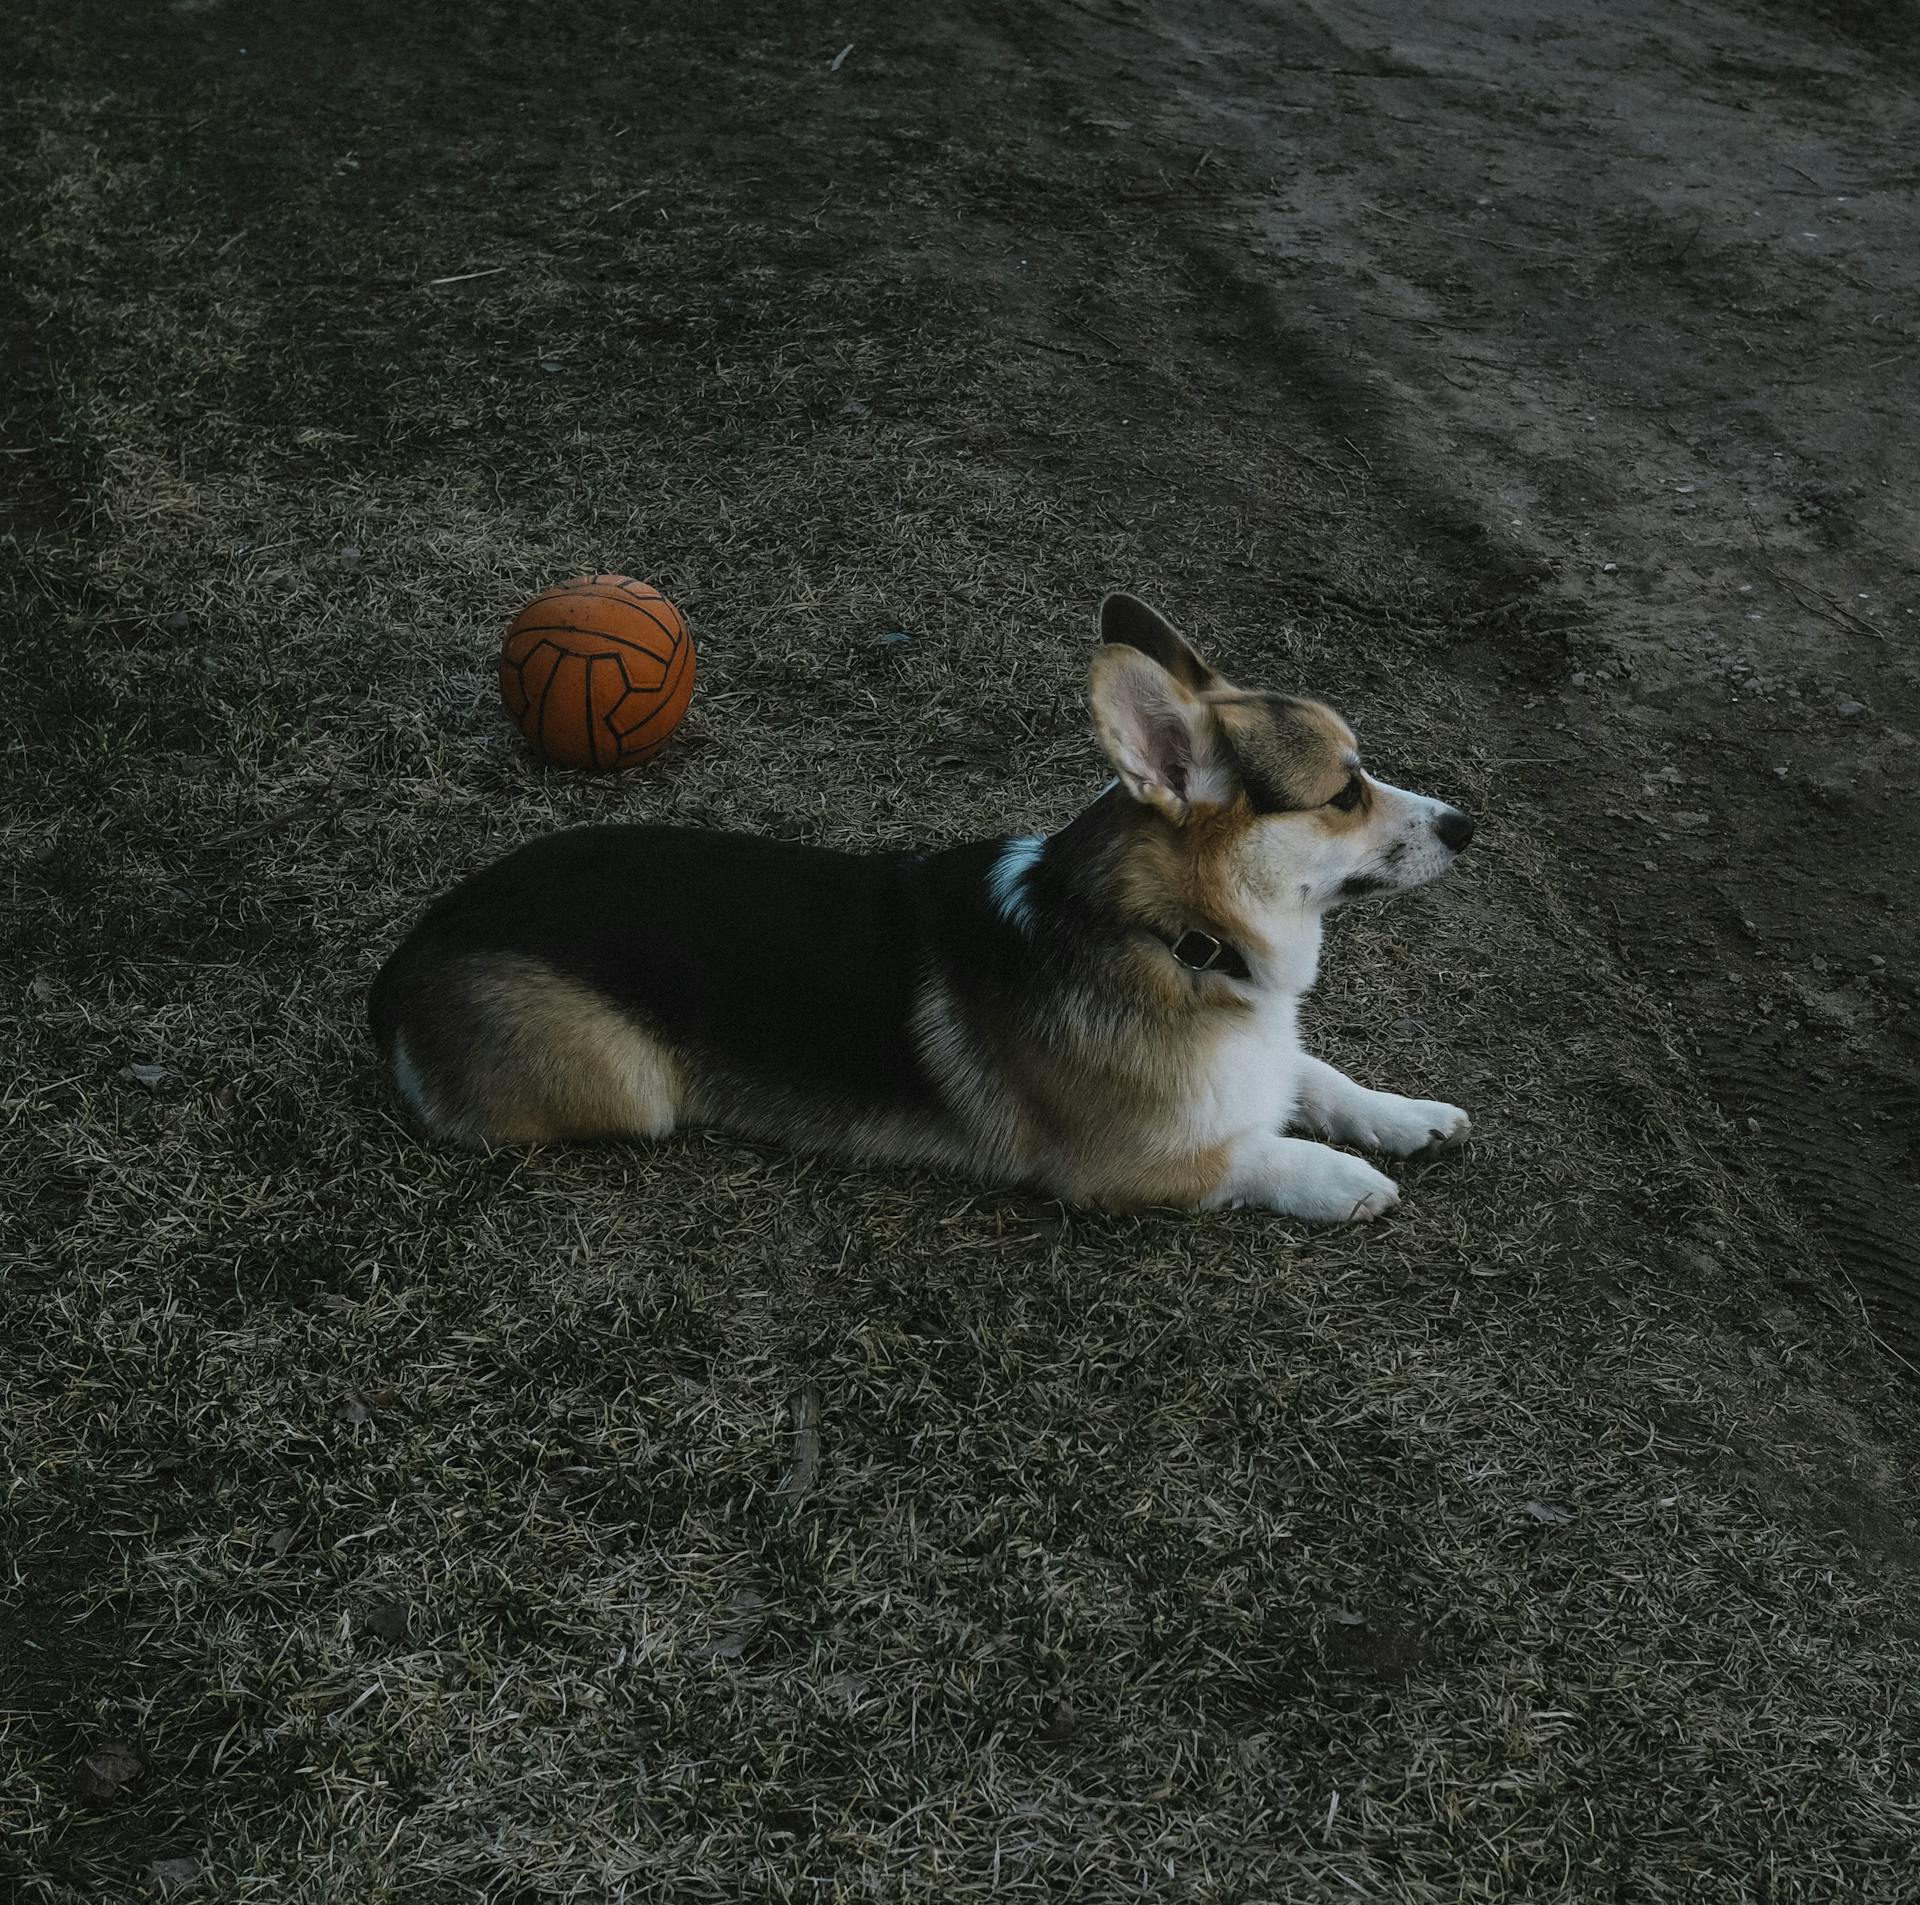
(1198,951)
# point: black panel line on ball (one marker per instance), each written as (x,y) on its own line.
(639,647)
(666,628)
(672,634)
(666,692)
(540,727)
(547,628)
(616,740)
(602,635)
(646,604)
(651,719)
(640,605)
(594,721)
(669,682)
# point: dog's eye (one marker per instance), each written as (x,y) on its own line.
(1348,798)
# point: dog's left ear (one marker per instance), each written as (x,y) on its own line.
(1128,622)
(1164,741)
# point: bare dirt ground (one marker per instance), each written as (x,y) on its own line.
(1625,301)
(688,1522)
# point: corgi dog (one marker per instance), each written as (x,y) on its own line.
(1108,1014)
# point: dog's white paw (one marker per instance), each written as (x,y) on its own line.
(1408,1127)
(1304,1179)
(1340,1190)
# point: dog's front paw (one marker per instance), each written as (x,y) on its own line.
(1305,1179)
(1448,1125)
(1340,1190)
(1409,1127)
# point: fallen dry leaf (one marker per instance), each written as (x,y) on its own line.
(107,1771)
(386,1620)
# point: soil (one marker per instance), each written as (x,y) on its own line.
(1619,310)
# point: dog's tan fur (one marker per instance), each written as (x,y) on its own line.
(558,1062)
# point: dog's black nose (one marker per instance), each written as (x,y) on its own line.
(1454,828)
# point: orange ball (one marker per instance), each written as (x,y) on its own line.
(597,672)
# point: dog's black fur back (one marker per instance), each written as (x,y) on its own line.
(771,958)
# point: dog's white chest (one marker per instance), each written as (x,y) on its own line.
(1252,1083)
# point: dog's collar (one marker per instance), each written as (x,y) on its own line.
(1201,952)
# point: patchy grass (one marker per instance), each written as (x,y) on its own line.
(692,1522)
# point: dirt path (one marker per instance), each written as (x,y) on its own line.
(1619,306)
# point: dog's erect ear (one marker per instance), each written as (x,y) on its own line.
(1125,620)
(1162,739)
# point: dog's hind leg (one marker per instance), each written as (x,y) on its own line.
(503,1050)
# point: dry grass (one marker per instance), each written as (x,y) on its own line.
(692,1522)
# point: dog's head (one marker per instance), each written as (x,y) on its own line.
(1268,787)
